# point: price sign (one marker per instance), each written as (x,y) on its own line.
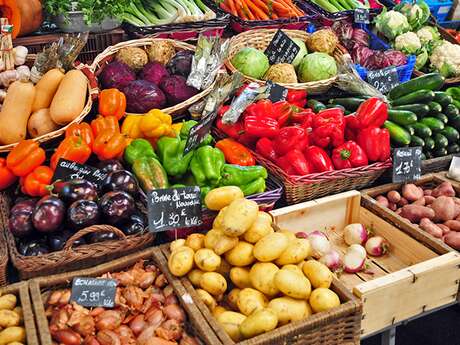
(69,170)
(454,169)
(407,164)
(93,292)
(199,132)
(383,79)
(281,49)
(276,92)
(361,16)
(174,208)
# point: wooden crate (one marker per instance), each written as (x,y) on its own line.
(407,281)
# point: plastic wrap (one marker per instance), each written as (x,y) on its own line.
(250,94)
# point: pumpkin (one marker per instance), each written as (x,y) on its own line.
(25,15)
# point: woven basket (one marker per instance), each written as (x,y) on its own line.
(436,164)
(3,247)
(40,288)
(108,56)
(339,325)
(70,258)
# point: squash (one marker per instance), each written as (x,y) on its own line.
(16,111)
(40,123)
(25,15)
(46,89)
(69,100)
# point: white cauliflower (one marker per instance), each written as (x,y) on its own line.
(446,59)
(408,43)
(427,34)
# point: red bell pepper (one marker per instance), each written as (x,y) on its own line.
(283,112)
(222,110)
(328,128)
(265,148)
(376,143)
(232,130)
(372,113)
(297,98)
(263,108)
(294,163)
(349,155)
(261,126)
(302,117)
(290,138)
(319,159)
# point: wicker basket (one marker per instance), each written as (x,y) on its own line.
(435,165)
(108,56)
(69,258)
(40,287)
(340,325)
(260,39)
(3,247)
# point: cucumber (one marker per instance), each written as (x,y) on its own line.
(440,141)
(451,134)
(442,98)
(315,105)
(418,109)
(402,117)
(397,133)
(455,122)
(434,123)
(421,130)
(429,144)
(454,148)
(410,129)
(451,111)
(429,81)
(442,117)
(350,103)
(416,141)
(423,156)
(442,151)
(330,106)
(435,107)
(420,96)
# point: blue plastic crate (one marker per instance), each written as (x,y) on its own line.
(440,8)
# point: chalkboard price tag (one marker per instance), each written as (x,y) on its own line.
(69,170)
(361,16)
(407,164)
(174,208)
(93,292)
(281,49)
(199,132)
(383,79)
(276,93)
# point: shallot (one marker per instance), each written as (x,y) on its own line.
(355,234)
(376,246)
(319,244)
(332,260)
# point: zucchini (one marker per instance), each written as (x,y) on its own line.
(416,141)
(315,105)
(442,151)
(421,130)
(429,81)
(418,109)
(451,111)
(434,123)
(397,133)
(330,106)
(429,144)
(420,96)
(454,148)
(402,117)
(435,107)
(440,141)
(410,129)
(350,103)
(451,134)
(442,117)
(442,98)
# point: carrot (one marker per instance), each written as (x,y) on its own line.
(248,12)
(280,9)
(224,7)
(239,10)
(289,4)
(256,10)
(260,4)
(231,5)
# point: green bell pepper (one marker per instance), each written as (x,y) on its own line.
(150,173)
(171,153)
(237,175)
(206,165)
(254,187)
(185,130)
(138,148)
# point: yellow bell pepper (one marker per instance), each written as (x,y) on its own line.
(130,126)
(177,127)
(156,124)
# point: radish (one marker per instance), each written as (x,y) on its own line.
(355,234)
(376,246)
(332,260)
(319,244)
(359,249)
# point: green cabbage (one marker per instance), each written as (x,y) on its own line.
(317,66)
(251,62)
(302,52)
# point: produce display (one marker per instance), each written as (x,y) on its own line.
(340,5)
(261,9)
(11,320)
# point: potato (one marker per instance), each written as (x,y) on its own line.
(322,299)
(420,202)
(290,235)
(240,277)
(218,198)
(231,322)
(403,202)
(9,318)
(429,199)
(444,228)
(207,260)
(394,196)
(194,276)
(381,200)
(232,298)
(15,343)
(207,299)
(211,238)
(453,225)
(213,282)
(294,268)
(444,208)
(260,228)
(270,247)
(262,277)
(453,239)
(176,244)
(239,217)
(18,310)
(218,310)
(430,227)
(297,250)
(217,223)
(224,268)
(259,322)
(411,192)
(288,309)
(250,300)
(180,262)
(318,274)
(292,284)
(8,301)
(445,189)
(12,334)
(241,255)
(195,241)
(224,244)
(415,213)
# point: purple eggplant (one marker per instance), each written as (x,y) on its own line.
(83,213)
(121,180)
(20,220)
(101,237)
(74,190)
(116,206)
(134,225)
(48,214)
(110,165)
(33,248)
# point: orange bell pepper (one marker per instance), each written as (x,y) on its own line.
(82,130)
(235,153)
(73,149)
(102,123)
(25,157)
(109,144)
(37,182)
(7,178)
(112,102)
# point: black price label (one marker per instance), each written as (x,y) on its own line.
(199,132)
(174,208)
(94,292)
(68,170)
(383,79)
(361,16)
(281,49)
(407,164)
(276,92)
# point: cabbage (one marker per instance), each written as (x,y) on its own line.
(154,72)
(251,62)
(116,75)
(417,13)
(181,63)
(176,89)
(317,66)
(142,96)
(391,23)
(302,52)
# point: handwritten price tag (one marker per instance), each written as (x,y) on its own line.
(93,292)
(407,164)
(383,79)
(281,49)
(69,170)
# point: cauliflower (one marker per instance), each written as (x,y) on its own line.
(446,59)
(421,59)
(428,34)
(391,24)
(408,43)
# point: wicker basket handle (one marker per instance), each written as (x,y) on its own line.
(93,86)
(90,230)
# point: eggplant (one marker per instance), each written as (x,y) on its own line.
(134,225)
(83,213)
(57,241)
(74,190)
(110,165)
(121,180)
(33,248)
(116,206)
(20,220)
(101,237)
(48,214)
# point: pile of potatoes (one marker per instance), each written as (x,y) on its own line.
(11,321)
(251,277)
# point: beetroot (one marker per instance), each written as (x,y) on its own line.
(116,75)
(176,89)
(154,72)
(142,96)
(181,63)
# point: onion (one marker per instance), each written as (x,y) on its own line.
(376,246)
(332,260)
(319,243)
(355,234)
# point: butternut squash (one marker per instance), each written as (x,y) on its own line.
(46,89)
(40,123)
(16,111)
(25,15)
(70,97)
